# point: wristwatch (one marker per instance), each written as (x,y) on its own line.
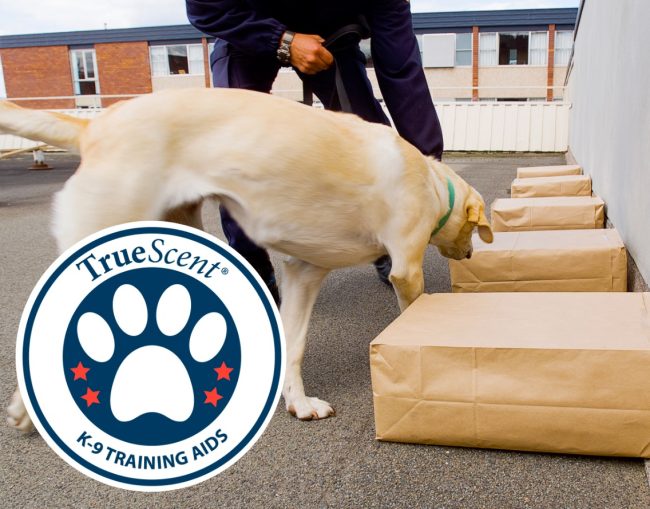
(284,50)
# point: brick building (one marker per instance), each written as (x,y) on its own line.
(513,55)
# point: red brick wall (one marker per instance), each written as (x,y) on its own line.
(38,72)
(551,63)
(123,68)
(475,50)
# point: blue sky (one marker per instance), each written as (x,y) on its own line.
(42,16)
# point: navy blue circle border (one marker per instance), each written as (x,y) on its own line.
(268,406)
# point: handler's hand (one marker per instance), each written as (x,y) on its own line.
(308,54)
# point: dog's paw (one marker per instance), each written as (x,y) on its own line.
(307,409)
(17,414)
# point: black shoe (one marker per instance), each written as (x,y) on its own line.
(383,266)
(272,285)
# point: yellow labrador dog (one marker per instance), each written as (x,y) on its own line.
(327,189)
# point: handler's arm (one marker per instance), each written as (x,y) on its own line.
(397,61)
(251,33)
(234,22)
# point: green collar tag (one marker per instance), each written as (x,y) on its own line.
(452,200)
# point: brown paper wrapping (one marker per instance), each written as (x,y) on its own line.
(539,187)
(555,213)
(548,372)
(544,261)
(549,171)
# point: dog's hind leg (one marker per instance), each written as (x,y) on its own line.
(17,413)
(300,284)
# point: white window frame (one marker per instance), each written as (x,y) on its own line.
(3,90)
(188,50)
(75,71)
(470,50)
(565,51)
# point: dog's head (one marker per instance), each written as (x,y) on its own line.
(454,237)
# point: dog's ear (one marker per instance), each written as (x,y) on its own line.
(476,216)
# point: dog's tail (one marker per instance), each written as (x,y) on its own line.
(52,128)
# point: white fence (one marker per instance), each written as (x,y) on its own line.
(505,126)
(466,126)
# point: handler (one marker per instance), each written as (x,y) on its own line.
(255,38)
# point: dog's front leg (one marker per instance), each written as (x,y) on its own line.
(300,284)
(407,279)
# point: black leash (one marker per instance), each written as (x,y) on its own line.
(345,38)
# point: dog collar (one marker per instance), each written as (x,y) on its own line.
(452,200)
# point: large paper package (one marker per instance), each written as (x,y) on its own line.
(549,171)
(540,187)
(548,372)
(554,213)
(544,261)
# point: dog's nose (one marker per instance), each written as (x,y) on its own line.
(469,255)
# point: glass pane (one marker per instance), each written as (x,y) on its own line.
(196,59)
(513,49)
(79,64)
(464,57)
(463,41)
(90,64)
(177,57)
(487,49)
(87,88)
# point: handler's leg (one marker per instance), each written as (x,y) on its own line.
(232,69)
(352,65)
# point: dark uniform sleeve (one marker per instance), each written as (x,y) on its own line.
(398,65)
(236,23)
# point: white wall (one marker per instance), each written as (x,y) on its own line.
(609,135)
(3,91)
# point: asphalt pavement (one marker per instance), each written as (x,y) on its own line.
(332,463)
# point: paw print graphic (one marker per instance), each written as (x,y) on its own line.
(152,356)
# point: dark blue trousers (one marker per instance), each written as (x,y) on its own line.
(232,69)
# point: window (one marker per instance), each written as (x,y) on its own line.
(177,59)
(563,46)
(463,49)
(84,71)
(538,48)
(3,90)
(438,50)
(513,49)
(487,49)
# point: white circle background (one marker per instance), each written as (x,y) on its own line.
(258,357)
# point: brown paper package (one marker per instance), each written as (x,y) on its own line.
(539,187)
(554,213)
(547,372)
(549,171)
(544,261)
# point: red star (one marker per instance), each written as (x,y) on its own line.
(80,372)
(223,371)
(212,397)
(90,397)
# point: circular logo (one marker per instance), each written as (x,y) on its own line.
(150,356)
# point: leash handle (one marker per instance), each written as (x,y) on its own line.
(344,38)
